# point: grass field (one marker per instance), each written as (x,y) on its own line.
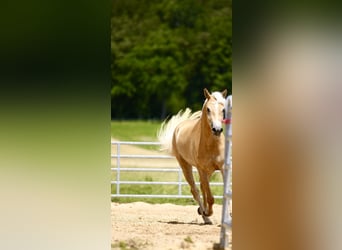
(135,131)
(146,131)
(159,189)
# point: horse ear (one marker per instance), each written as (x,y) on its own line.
(206,93)
(224,93)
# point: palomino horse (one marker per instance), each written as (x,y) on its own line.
(197,140)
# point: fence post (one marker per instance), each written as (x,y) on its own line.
(118,169)
(227,188)
(179,182)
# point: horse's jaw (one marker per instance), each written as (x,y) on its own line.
(217,134)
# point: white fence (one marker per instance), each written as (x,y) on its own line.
(226,220)
(118,169)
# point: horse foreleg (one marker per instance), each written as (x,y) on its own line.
(187,172)
(204,195)
(208,198)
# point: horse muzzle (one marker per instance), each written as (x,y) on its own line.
(217,131)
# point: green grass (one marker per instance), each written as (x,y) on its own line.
(135,130)
(128,245)
(188,239)
(159,189)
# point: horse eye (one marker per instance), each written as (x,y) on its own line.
(224,113)
(208,110)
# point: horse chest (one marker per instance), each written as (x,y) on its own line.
(211,158)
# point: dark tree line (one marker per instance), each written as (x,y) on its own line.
(164,52)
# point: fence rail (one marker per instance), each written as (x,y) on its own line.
(118,169)
(143,156)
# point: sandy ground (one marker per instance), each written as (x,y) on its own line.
(141,225)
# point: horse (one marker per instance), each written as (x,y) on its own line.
(196,139)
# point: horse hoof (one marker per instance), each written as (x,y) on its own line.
(207,221)
(199,211)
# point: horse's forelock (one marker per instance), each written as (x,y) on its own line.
(218,97)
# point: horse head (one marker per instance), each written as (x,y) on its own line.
(214,110)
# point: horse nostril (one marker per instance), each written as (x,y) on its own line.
(217,130)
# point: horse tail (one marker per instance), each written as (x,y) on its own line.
(167,129)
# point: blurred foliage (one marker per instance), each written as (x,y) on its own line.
(164,52)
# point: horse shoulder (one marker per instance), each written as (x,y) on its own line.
(211,155)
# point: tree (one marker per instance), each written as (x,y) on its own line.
(165,52)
